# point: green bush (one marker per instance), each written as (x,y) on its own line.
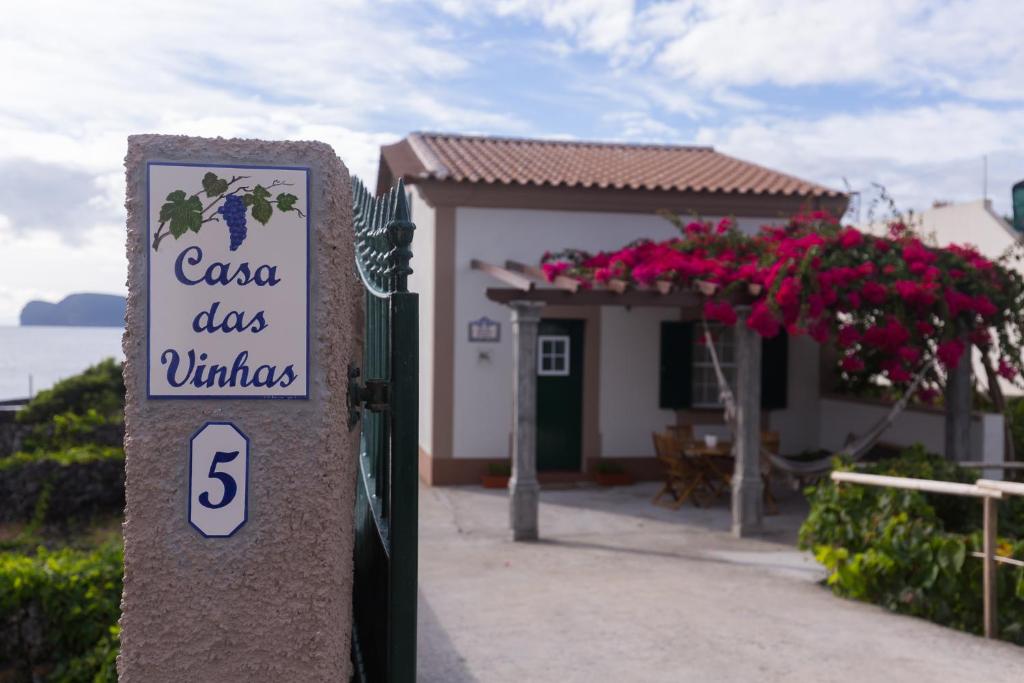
(99,388)
(59,612)
(910,551)
(69,456)
(68,430)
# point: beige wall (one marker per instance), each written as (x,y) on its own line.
(423,283)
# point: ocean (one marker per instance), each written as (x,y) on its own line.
(47,354)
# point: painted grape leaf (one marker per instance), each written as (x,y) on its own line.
(248,200)
(182,213)
(286,201)
(261,208)
(214,185)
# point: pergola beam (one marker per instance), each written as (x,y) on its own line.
(598,297)
(516,280)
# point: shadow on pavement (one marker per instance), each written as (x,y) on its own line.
(437,660)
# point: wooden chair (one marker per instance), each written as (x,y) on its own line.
(682,433)
(684,478)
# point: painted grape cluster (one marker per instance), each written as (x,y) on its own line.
(232,199)
(233,211)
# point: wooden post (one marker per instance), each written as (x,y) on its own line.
(991,526)
(524,491)
(747,486)
(958,410)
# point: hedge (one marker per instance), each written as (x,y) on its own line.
(910,551)
(62,486)
(99,387)
(58,614)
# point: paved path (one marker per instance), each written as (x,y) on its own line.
(620,590)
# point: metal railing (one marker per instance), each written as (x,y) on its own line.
(990,492)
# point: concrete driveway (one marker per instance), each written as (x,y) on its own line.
(621,590)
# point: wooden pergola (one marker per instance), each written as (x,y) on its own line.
(526,291)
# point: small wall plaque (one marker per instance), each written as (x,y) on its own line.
(484,330)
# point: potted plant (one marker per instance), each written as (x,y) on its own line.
(611,473)
(497,475)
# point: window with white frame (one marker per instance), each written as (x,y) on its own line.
(705,382)
(553,355)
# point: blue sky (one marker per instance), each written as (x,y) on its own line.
(907,93)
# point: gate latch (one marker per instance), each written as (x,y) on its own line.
(374,394)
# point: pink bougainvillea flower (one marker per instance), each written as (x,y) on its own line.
(724,225)
(847,337)
(925,329)
(983,306)
(762,320)
(873,293)
(719,311)
(850,238)
(909,354)
(949,353)
(980,338)
(553,270)
(819,331)
(958,302)
(852,364)
(881,246)
(916,294)
(1005,370)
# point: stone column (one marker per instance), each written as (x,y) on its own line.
(523,487)
(747,487)
(958,410)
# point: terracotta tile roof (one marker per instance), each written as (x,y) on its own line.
(560,163)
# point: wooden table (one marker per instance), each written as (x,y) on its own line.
(717,461)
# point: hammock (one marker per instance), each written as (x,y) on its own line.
(854,450)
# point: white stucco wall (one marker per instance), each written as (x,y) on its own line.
(969,223)
(483,386)
(797,424)
(422,282)
(630,359)
(839,418)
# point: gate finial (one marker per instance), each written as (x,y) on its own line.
(400,230)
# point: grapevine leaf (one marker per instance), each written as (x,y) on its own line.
(183,214)
(214,185)
(248,199)
(261,208)
(286,202)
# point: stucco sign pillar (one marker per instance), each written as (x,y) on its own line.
(524,491)
(243,310)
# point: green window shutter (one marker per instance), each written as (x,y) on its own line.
(675,380)
(774,372)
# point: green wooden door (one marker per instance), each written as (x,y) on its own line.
(560,395)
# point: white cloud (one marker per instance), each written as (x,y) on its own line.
(920,154)
(41,265)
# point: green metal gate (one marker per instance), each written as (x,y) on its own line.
(383,397)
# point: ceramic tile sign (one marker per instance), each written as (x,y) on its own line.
(484,330)
(228,281)
(218,491)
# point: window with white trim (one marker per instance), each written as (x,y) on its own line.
(706,393)
(553,355)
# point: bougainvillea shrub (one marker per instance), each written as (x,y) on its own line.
(892,304)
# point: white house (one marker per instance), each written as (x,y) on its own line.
(611,370)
